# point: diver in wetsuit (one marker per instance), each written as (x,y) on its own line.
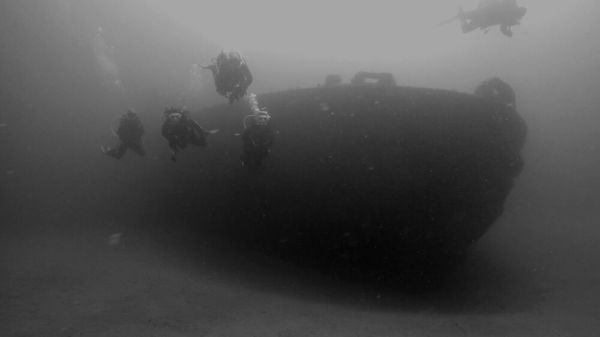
(257,140)
(180,130)
(489,13)
(130,134)
(231,75)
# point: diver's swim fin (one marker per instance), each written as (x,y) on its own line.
(447,21)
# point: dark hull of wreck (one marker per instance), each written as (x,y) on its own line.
(365,172)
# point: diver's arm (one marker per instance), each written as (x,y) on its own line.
(196,126)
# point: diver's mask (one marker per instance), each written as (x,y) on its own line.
(262,118)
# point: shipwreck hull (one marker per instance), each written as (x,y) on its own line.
(366,171)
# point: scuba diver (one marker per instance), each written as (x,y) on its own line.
(242,77)
(130,133)
(231,75)
(503,13)
(257,140)
(498,91)
(180,130)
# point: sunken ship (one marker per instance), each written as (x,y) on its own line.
(367,171)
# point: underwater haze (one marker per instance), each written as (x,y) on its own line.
(94,246)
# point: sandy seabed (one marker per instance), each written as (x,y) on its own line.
(92,284)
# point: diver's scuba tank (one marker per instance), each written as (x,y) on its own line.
(260,117)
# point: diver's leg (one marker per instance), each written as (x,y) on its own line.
(247,148)
(173,147)
(250,158)
(138,148)
(121,150)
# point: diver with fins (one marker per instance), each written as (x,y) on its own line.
(129,132)
(257,137)
(231,75)
(489,13)
(180,130)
